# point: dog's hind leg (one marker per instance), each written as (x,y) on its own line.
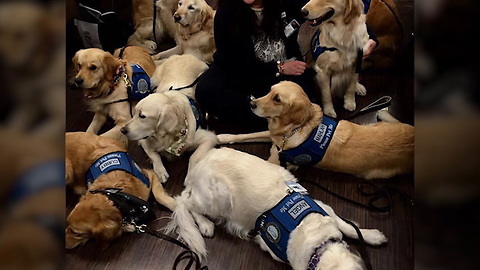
(371,236)
(206,226)
(262,136)
(161,196)
(204,141)
(349,97)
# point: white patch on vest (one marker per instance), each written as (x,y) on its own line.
(109,163)
(298,209)
(142,86)
(273,232)
(320,133)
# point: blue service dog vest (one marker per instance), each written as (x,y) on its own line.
(115,161)
(140,83)
(276,224)
(199,116)
(316,48)
(313,149)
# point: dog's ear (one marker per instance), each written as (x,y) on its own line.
(111,65)
(168,118)
(298,112)
(353,9)
(75,60)
(206,13)
(109,226)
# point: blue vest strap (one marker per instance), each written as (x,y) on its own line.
(199,116)
(316,48)
(275,225)
(115,161)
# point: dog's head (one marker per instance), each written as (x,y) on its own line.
(95,217)
(93,67)
(286,101)
(192,12)
(158,114)
(320,11)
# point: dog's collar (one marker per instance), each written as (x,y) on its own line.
(317,254)
(116,78)
(178,147)
(135,211)
(186,37)
(286,137)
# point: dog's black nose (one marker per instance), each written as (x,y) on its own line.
(124,130)
(78,81)
(253,105)
(304,12)
(177,17)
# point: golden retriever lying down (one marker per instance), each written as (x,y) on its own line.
(343,33)
(95,216)
(169,123)
(101,76)
(379,150)
(178,72)
(143,20)
(236,188)
(194,32)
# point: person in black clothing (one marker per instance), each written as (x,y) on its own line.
(253,53)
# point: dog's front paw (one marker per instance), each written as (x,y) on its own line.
(350,105)
(328,110)
(207,228)
(374,237)
(225,138)
(162,174)
(361,90)
(151,46)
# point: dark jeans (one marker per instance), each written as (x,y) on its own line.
(230,102)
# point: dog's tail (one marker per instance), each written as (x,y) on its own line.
(184,224)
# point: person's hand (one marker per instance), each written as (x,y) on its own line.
(294,67)
(368,48)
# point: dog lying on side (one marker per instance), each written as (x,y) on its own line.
(343,33)
(241,189)
(101,75)
(142,11)
(95,215)
(379,150)
(194,31)
(169,123)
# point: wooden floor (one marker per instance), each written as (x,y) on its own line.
(143,251)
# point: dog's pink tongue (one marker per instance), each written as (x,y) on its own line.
(87,96)
(312,22)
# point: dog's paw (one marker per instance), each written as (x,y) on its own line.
(350,105)
(162,175)
(328,110)
(361,90)
(225,138)
(374,237)
(206,228)
(151,46)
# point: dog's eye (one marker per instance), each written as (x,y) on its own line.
(191,7)
(179,4)
(79,66)
(141,115)
(93,67)
(276,98)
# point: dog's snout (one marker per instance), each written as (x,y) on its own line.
(124,130)
(78,81)
(253,105)
(177,17)
(304,12)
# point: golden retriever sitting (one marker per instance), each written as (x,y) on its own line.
(194,33)
(143,21)
(303,136)
(170,124)
(104,79)
(95,216)
(343,33)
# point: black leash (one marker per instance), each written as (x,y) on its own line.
(378,104)
(188,86)
(363,247)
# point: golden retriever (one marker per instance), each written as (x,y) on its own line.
(168,123)
(344,33)
(379,150)
(103,81)
(95,216)
(142,12)
(240,190)
(194,32)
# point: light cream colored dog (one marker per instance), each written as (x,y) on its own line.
(194,31)
(166,123)
(343,32)
(379,150)
(236,188)
(143,20)
(103,84)
(178,72)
